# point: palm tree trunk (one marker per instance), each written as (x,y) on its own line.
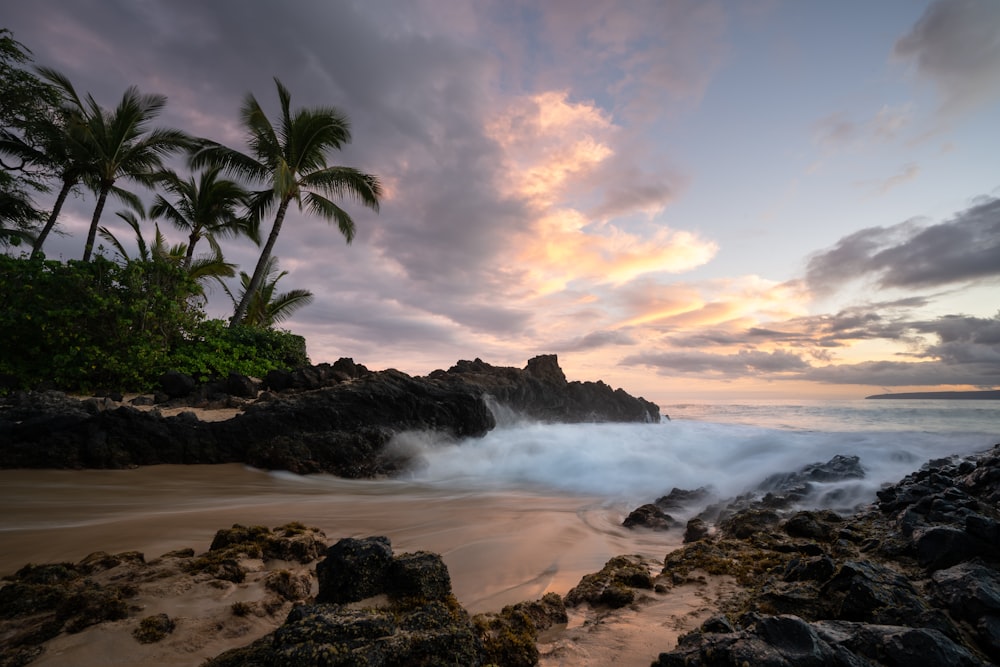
(88,249)
(67,185)
(261,269)
(192,239)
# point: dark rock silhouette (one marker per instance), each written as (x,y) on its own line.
(328,418)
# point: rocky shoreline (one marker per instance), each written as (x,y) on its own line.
(328,418)
(912,579)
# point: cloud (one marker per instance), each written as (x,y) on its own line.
(741,364)
(954,44)
(963,249)
(595,340)
(838,131)
(880,187)
(905,374)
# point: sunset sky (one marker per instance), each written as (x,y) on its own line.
(684,198)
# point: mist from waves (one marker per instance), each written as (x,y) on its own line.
(636,463)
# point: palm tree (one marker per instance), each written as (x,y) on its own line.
(290,158)
(56,146)
(207,208)
(200,269)
(264,307)
(121,145)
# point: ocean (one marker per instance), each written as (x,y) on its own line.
(729,447)
(530,508)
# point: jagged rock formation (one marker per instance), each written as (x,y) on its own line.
(912,580)
(334,419)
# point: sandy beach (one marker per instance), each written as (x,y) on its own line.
(500,548)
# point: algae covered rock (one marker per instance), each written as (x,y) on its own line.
(614,586)
(376,609)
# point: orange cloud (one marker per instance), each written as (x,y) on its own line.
(552,149)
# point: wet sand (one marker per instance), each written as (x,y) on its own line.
(500,548)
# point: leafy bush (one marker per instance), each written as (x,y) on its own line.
(87,325)
(214,350)
(82,326)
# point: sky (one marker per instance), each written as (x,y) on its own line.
(687,199)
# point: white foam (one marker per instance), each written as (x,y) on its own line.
(639,462)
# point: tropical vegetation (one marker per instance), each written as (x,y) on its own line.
(134,308)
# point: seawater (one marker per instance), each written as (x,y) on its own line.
(728,447)
(529,508)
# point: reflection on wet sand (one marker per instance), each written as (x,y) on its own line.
(500,547)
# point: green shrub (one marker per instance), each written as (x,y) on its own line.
(214,350)
(88,325)
(81,326)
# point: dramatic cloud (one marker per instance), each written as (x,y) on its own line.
(907,255)
(586,178)
(955,45)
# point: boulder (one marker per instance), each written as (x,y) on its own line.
(649,516)
(177,385)
(354,569)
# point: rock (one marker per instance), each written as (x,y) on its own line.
(540,391)
(418,623)
(614,586)
(696,530)
(288,586)
(873,593)
(811,525)
(897,645)
(943,546)
(817,568)
(649,516)
(177,385)
(772,641)
(509,637)
(988,629)
(969,590)
(336,419)
(241,385)
(421,575)
(679,499)
(748,522)
(153,628)
(354,569)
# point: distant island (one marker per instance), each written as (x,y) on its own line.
(989,395)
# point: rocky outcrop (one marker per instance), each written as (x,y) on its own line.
(912,580)
(780,491)
(334,419)
(377,609)
(541,391)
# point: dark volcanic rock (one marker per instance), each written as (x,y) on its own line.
(541,391)
(334,419)
(354,569)
(177,385)
(649,516)
(402,613)
(912,580)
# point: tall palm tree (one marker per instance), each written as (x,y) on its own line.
(123,146)
(56,147)
(290,159)
(207,208)
(265,308)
